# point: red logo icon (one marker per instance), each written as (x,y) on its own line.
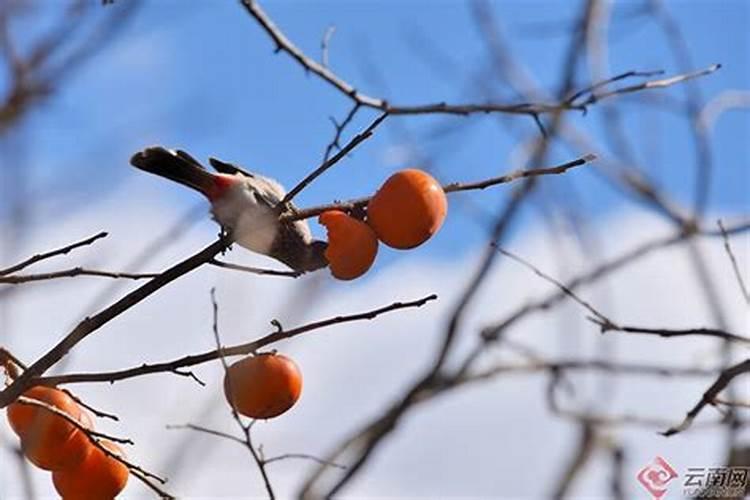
(655,476)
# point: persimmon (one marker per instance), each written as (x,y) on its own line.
(37,425)
(408,209)
(69,454)
(98,477)
(352,245)
(263,386)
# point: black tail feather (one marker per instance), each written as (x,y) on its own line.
(174,165)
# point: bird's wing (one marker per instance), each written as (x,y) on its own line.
(228,168)
(267,191)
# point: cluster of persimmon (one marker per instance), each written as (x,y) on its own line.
(263,385)
(405,212)
(80,469)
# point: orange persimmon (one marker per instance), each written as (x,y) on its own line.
(99,476)
(67,455)
(407,209)
(352,245)
(37,425)
(263,386)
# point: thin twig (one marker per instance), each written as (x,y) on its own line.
(651,84)
(726,402)
(581,454)
(596,365)
(607,325)
(304,456)
(340,130)
(237,350)
(622,76)
(235,413)
(617,474)
(230,437)
(25,472)
(24,400)
(284,44)
(324,43)
(5,354)
(206,430)
(254,270)
(733,260)
(454,187)
(605,268)
(356,140)
(709,396)
(90,408)
(93,323)
(566,290)
(46,255)
(16,279)
(93,436)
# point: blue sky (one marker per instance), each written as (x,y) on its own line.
(203,76)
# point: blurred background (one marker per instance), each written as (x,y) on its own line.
(84,85)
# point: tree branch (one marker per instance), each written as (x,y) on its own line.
(16,279)
(356,140)
(237,350)
(93,323)
(454,187)
(733,261)
(60,251)
(709,396)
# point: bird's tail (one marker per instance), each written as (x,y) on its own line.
(177,166)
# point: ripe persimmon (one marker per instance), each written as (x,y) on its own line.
(263,386)
(39,426)
(69,454)
(98,476)
(407,209)
(352,245)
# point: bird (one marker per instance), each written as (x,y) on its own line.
(244,204)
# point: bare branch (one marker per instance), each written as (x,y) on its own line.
(254,270)
(607,325)
(93,436)
(304,456)
(206,430)
(230,437)
(235,413)
(324,43)
(651,84)
(622,76)
(90,408)
(93,323)
(566,290)
(237,350)
(340,130)
(24,400)
(628,257)
(710,395)
(581,454)
(284,44)
(46,255)
(16,279)
(356,140)
(733,260)
(454,187)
